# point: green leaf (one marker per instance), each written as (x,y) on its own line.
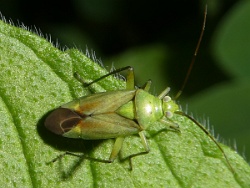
(232,39)
(36,77)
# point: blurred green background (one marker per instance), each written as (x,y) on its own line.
(158,39)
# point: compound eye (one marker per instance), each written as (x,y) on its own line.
(167,99)
(169,114)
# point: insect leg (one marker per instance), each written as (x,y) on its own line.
(77,76)
(164,93)
(144,141)
(147,85)
(116,148)
(130,83)
(170,125)
(146,147)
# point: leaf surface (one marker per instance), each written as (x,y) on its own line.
(36,77)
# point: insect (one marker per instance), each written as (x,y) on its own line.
(118,114)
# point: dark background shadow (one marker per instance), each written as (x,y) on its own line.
(111,27)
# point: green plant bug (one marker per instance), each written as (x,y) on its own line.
(118,114)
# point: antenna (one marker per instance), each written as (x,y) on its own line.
(184,84)
(194,56)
